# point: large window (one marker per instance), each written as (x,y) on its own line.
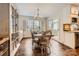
(54,26)
(33,25)
(50,24)
(29,25)
(37,25)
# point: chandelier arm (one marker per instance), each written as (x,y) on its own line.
(37,15)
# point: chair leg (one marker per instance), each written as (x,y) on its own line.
(49,50)
(41,51)
(32,45)
(45,51)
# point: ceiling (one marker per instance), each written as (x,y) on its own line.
(46,9)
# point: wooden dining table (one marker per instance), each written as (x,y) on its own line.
(41,45)
(38,36)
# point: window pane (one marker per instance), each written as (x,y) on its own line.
(53,25)
(29,25)
(36,25)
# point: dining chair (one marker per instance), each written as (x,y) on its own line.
(34,41)
(44,43)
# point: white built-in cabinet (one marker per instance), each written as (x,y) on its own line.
(15,33)
(67,38)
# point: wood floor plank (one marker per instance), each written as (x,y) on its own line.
(57,49)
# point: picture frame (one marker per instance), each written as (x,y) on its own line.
(66,27)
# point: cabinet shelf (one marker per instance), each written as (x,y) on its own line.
(3,51)
(15,50)
(4,40)
(14,40)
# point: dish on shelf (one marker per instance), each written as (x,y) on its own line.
(4,46)
(2,52)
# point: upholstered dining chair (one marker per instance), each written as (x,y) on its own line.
(44,43)
(34,41)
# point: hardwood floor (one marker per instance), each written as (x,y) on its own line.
(57,49)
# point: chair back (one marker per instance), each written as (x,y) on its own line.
(32,35)
(46,37)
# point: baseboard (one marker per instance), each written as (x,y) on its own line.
(63,44)
(27,37)
(77,47)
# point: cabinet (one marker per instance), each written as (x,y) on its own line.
(69,39)
(4,47)
(9,36)
(77,40)
(14,34)
(69,36)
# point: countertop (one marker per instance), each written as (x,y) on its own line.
(73,31)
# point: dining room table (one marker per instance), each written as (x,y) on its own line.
(39,36)
(39,44)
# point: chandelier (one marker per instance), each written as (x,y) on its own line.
(37,15)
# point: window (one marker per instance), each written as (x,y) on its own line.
(36,25)
(33,25)
(24,27)
(29,25)
(53,25)
(50,24)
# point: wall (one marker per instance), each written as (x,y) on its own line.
(20,23)
(21,27)
(4,19)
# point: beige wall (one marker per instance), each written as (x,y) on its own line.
(24,33)
(20,23)
(4,19)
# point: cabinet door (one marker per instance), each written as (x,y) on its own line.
(4,19)
(69,39)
